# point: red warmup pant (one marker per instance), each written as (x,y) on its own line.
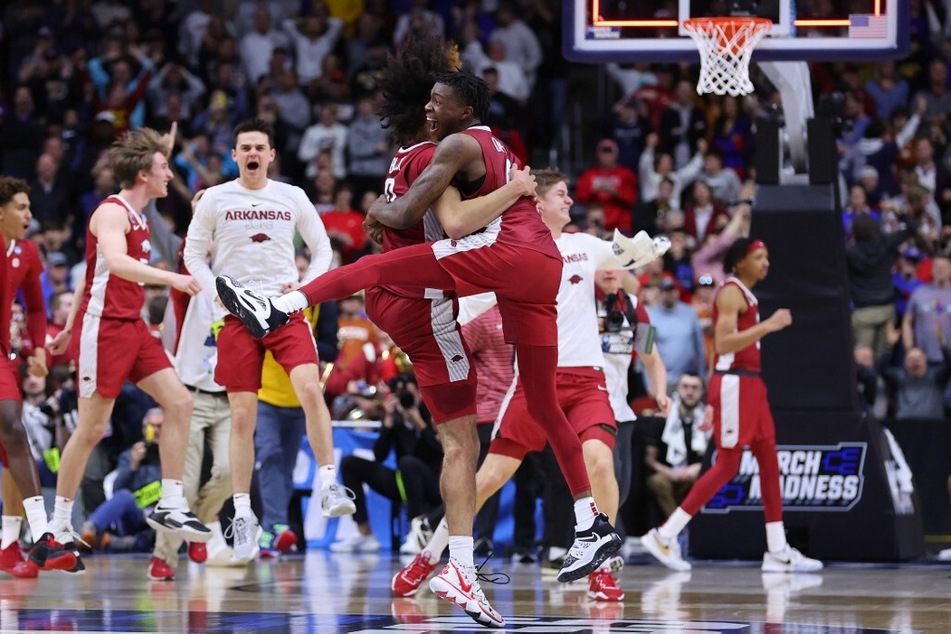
(727,465)
(416,267)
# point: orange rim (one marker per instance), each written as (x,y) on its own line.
(743,27)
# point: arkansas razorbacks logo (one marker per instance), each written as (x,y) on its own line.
(575,279)
(260,237)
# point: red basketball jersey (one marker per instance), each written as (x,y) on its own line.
(521,223)
(405,167)
(6,307)
(747,359)
(105,294)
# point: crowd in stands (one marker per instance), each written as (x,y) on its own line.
(77,74)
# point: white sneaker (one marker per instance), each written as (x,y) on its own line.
(664,552)
(419,535)
(790,560)
(257,313)
(357,543)
(944,555)
(336,500)
(640,250)
(589,550)
(246,533)
(461,587)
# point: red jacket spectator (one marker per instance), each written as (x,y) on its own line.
(613,186)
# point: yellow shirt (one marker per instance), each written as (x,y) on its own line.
(276,388)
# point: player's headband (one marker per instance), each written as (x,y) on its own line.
(755,244)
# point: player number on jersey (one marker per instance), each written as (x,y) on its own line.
(389,189)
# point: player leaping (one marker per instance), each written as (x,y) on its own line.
(514,256)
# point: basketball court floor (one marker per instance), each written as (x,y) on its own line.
(329,592)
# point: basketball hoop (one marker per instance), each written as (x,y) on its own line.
(726,45)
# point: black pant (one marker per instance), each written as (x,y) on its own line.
(489,513)
(559,506)
(529,485)
(420,484)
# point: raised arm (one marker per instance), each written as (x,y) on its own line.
(453,153)
(461,217)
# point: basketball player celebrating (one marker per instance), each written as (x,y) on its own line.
(581,391)
(514,256)
(112,341)
(20,269)
(741,414)
(248,225)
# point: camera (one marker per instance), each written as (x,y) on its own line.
(614,319)
(406,398)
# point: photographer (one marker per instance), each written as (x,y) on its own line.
(408,430)
(136,489)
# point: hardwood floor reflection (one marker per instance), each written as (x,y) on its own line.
(325,592)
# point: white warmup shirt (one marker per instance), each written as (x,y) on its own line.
(251,234)
(197,353)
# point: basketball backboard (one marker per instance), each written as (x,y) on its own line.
(652,30)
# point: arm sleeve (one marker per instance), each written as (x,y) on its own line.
(201,231)
(312,230)
(35,305)
(326,332)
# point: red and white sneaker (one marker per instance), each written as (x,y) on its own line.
(602,586)
(12,562)
(197,552)
(407,581)
(49,554)
(461,587)
(160,571)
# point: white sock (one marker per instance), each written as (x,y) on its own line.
(173,494)
(775,537)
(327,474)
(677,521)
(585,512)
(438,542)
(217,541)
(36,516)
(242,504)
(460,550)
(11,530)
(62,515)
(292,302)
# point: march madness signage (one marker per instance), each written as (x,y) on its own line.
(812,478)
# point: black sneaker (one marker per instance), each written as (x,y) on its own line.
(257,313)
(590,549)
(180,521)
(48,554)
(79,568)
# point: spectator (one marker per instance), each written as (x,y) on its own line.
(55,278)
(937,94)
(613,186)
(504,116)
(880,148)
(887,90)
(359,348)
(649,214)
(23,134)
(313,38)
(704,215)
(929,308)
(655,168)
(918,386)
(682,125)
(293,108)
(931,175)
(258,45)
(519,42)
(192,30)
(345,225)
(708,259)
(856,205)
(408,431)
(676,457)
(732,135)
(871,387)
(175,80)
(512,80)
(723,181)
(629,128)
(52,195)
(369,148)
(419,18)
(60,305)
(119,91)
(870,259)
(327,135)
(679,337)
(906,280)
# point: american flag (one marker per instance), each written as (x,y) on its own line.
(868,26)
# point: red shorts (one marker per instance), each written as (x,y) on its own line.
(241,356)
(582,396)
(9,382)
(109,351)
(525,282)
(741,411)
(427,331)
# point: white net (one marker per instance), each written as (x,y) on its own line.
(726,45)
